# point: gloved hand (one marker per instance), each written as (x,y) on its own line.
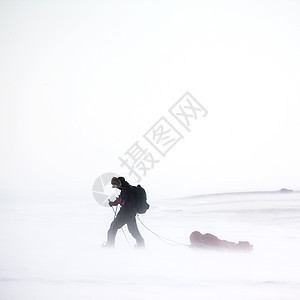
(110,203)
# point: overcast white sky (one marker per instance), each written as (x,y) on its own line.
(82,81)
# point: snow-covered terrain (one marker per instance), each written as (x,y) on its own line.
(51,249)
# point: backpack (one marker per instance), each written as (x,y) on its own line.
(141,198)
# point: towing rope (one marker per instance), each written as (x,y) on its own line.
(163,239)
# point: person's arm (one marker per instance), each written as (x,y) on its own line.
(116,202)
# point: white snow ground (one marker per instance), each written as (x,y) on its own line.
(50,248)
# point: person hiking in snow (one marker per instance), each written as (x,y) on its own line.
(127,213)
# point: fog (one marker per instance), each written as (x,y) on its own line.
(51,249)
(82,82)
(202,96)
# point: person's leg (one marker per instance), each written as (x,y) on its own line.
(133,229)
(116,224)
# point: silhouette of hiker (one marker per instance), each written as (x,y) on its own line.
(127,213)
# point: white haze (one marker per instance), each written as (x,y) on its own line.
(82,81)
(51,249)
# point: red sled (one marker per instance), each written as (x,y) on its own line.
(210,241)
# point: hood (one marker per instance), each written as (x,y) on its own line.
(124,183)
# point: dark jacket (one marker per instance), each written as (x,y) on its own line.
(128,196)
